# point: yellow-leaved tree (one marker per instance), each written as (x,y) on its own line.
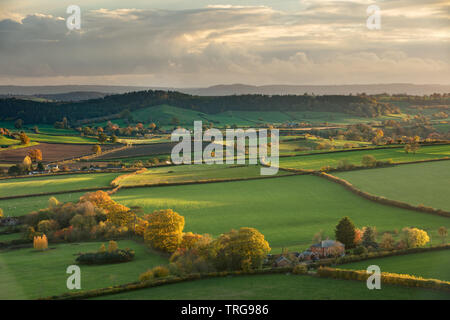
(415,237)
(40,242)
(241,249)
(165,230)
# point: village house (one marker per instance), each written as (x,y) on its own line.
(328,248)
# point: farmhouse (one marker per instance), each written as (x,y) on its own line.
(328,248)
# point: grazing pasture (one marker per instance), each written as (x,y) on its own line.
(22,206)
(139,150)
(419,183)
(276,287)
(29,274)
(56,183)
(317,161)
(432,264)
(287,210)
(187,173)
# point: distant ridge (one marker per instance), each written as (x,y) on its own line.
(233,89)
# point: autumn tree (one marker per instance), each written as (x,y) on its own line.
(35,155)
(27,163)
(242,249)
(24,139)
(1,213)
(345,232)
(387,241)
(165,230)
(189,240)
(97,149)
(442,232)
(40,242)
(415,237)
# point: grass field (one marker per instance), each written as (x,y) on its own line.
(37,185)
(432,265)
(276,287)
(40,137)
(317,161)
(192,173)
(28,274)
(420,183)
(22,206)
(287,210)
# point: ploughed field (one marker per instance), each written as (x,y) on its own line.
(317,161)
(431,265)
(51,152)
(287,210)
(29,274)
(418,183)
(275,287)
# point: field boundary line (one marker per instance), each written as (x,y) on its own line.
(55,193)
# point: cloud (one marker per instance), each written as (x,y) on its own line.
(323,42)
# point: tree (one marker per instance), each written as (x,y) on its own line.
(369,237)
(243,249)
(24,139)
(53,202)
(442,231)
(97,149)
(112,246)
(27,163)
(152,126)
(415,237)
(40,242)
(345,232)
(113,138)
(40,167)
(35,155)
(47,226)
(18,124)
(165,230)
(387,242)
(102,138)
(1,213)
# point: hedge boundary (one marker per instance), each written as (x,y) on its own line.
(374,255)
(380,199)
(386,278)
(160,282)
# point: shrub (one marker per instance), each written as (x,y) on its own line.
(387,242)
(112,246)
(117,256)
(147,275)
(160,272)
(300,269)
(47,226)
(360,250)
(415,237)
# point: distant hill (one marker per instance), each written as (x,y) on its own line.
(394,88)
(233,89)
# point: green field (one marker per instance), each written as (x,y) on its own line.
(433,265)
(276,287)
(29,274)
(61,138)
(317,161)
(287,210)
(421,183)
(187,173)
(22,206)
(37,185)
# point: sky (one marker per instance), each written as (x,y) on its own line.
(197,43)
